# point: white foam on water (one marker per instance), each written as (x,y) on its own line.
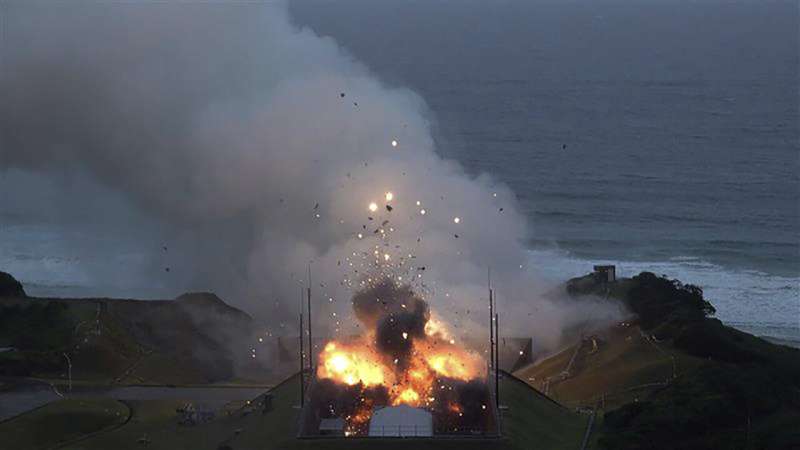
(754,301)
(55,261)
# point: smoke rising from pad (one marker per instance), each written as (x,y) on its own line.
(250,147)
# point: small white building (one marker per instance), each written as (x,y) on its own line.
(401,421)
(606,274)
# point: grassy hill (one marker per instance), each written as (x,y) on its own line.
(196,338)
(530,420)
(672,376)
(608,369)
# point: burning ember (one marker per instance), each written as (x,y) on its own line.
(405,358)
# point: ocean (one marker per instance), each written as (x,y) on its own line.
(658,135)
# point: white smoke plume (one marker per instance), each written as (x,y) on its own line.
(255,147)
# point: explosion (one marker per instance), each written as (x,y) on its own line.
(405,357)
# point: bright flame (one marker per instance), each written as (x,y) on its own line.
(350,365)
(407,397)
(420,379)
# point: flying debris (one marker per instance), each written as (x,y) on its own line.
(166,269)
(389,208)
(563,146)
(341,95)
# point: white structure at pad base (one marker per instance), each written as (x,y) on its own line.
(401,421)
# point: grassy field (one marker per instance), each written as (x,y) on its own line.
(534,421)
(624,367)
(531,421)
(61,422)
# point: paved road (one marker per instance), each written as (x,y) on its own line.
(30,396)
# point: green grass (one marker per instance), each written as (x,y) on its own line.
(535,421)
(623,361)
(530,421)
(60,422)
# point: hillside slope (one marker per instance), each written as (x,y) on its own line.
(196,338)
(672,376)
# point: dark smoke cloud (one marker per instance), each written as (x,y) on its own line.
(392,310)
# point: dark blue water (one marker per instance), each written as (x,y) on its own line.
(680,121)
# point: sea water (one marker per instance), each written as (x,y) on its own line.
(655,135)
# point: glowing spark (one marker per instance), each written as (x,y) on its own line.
(405,335)
(422,211)
(360,236)
(456,219)
(419,202)
(260,340)
(394,143)
(386,256)
(389,196)
(373,206)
